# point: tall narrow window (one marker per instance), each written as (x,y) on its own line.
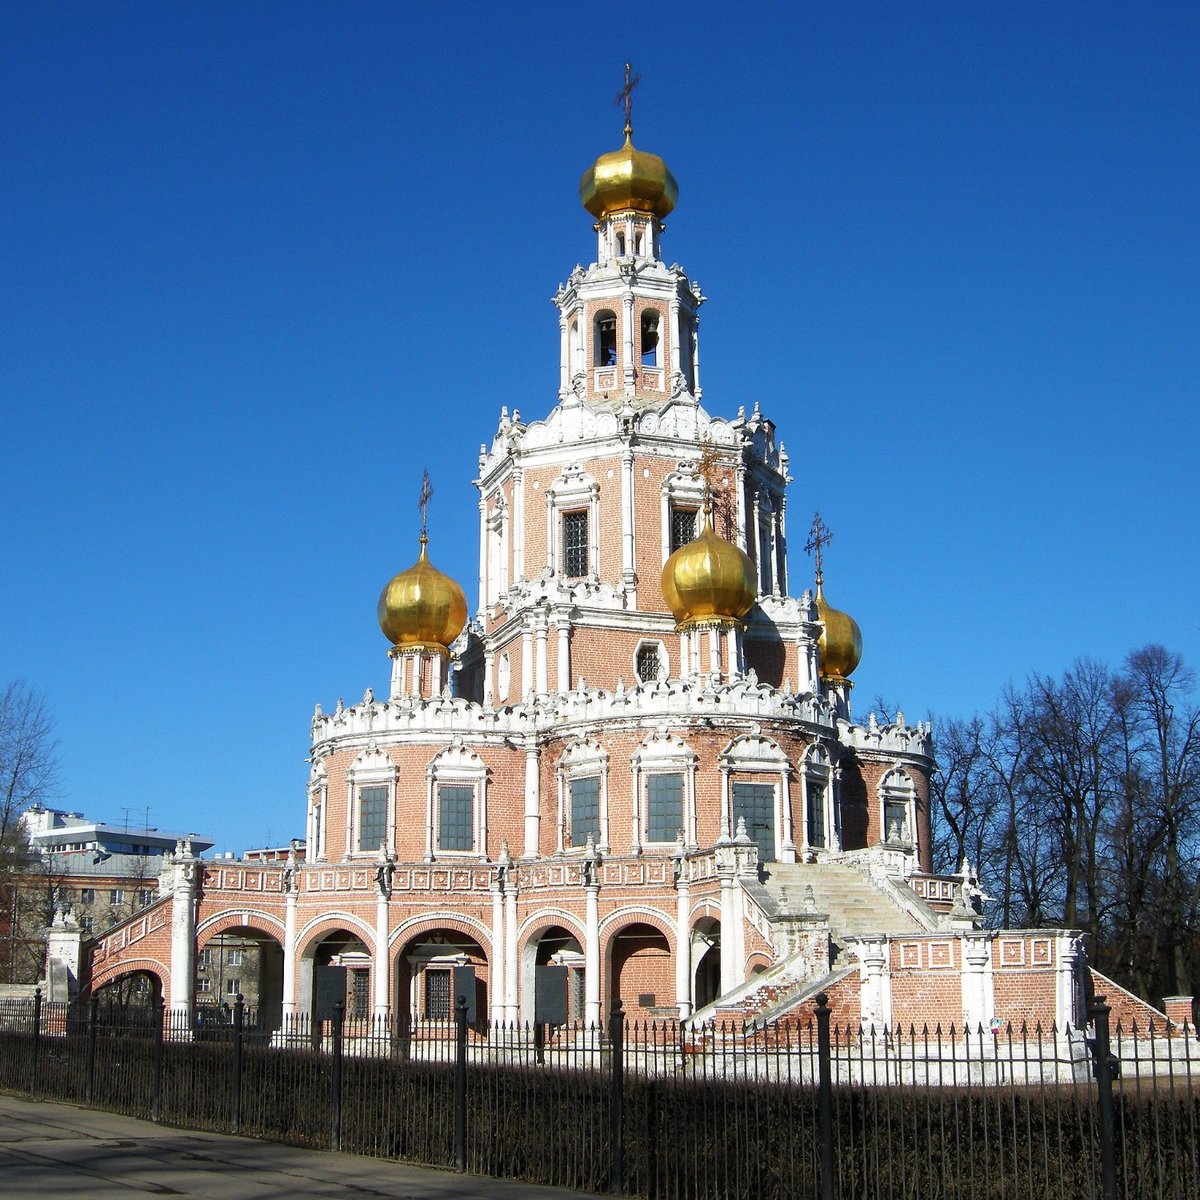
(437,994)
(755,804)
(372,817)
(683,527)
(815,816)
(664,807)
(585,810)
(575,544)
(650,338)
(456,811)
(360,982)
(606,340)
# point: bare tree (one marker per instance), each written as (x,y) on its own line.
(28,775)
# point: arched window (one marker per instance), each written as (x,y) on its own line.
(606,339)
(898,809)
(455,803)
(650,338)
(650,661)
(620,245)
(583,797)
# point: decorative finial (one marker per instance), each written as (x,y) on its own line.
(706,468)
(423,504)
(625,96)
(819,535)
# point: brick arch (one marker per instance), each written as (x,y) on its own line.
(546,918)
(260,922)
(317,930)
(133,966)
(638,973)
(431,922)
(757,961)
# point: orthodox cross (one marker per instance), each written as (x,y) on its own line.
(706,468)
(819,535)
(423,502)
(625,96)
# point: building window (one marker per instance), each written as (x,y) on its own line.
(85,924)
(437,995)
(755,804)
(575,543)
(899,809)
(815,813)
(233,986)
(116,896)
(606,340)
(664,807)
(683,527)
(372,817)
(87,895)
(456,805)
(359,992)
(649,662)
(204,987)
(145,897)
(650,338)
(204,959)
(585,810)
(235,958)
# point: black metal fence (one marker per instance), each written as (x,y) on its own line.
(657,1109)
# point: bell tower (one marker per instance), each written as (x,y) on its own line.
(628,322)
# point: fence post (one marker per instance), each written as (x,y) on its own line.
(235,1100)
(338,1026)
(460,1083)
(90,1051)
(825,1096)
(616,1117)
(1104,1076)
(156,1096)
(37,1043)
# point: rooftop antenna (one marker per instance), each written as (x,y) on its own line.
(819,536)
(625,97)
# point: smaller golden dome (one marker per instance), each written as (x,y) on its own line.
(627,179)
(708,579)
(421,607)
(839,649)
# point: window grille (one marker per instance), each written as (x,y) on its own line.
(585,810)
(683,527)
(575,544)
(456,805)
(649,663)
(437,995)
(372,817)
(359,993)
(664,807)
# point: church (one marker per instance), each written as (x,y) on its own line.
(633,772)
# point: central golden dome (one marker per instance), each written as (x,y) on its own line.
(627,179)
(709,579)
(839,648)
(422,608)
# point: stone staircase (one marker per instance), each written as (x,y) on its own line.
(854,904)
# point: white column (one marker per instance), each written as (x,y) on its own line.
(489,676)
(563,625)
(564,369)
(978,998)
(627,321)
(591,955)
(381,977)
(484,598)
(290,1006)
(728,933)
(714,651)
(396,689)
(725,831)
(635,834)
(683,950)
(696,357)
(496,966)
(533,817)
(1067,1006)
(517,525)
(876,999)
(510,951)
(437,673)
(788,848)
(542,670)
(740,483)
(183,933)
(676,333)
(628,549)
(527,679)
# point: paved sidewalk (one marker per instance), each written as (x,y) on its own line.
(54,1151)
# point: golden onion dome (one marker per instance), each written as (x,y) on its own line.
(421,607)
(709,578)
(839,649)
(627,179)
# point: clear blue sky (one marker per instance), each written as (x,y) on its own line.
(262,263)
